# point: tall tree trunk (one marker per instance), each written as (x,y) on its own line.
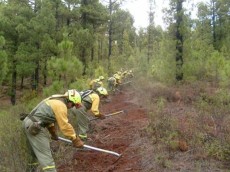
(110,33)
(179,42)
(150,30)
(214,23)
(84,25)
(45,73)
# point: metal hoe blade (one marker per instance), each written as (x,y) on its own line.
(91,147)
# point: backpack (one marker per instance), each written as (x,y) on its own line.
(85,93)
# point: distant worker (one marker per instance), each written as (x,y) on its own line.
(117,76)
(95,83)
(90,103)
(113,82)
(43,118)
(123,74)
(130,74)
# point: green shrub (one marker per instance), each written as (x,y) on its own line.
(12,143)
(57,87)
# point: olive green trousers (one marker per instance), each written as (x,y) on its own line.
(40,145)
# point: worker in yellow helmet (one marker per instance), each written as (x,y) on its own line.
(114,81)
(117,76)
(46,116)
(130,74)
(111,83)
(95,83)
(90,103)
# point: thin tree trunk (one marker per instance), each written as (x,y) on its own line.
(45,73)
(37,75)
(83,60)
(150,30)
(110,34)
(22,82)
(92,53)
(214,25)
(13,84)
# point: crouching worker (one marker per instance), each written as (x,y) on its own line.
(90,103)
(96,83)
(43,118)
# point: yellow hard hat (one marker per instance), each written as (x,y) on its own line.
(102,91)
(116,76)
(74,96)
(101,77)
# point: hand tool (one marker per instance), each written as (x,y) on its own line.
(111,114)
(92,148)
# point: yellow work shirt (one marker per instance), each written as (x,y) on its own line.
(60,112)
(95,103)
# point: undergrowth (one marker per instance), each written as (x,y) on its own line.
(193,129)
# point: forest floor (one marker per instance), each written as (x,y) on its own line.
(121,133)
(130,135)
(127,134)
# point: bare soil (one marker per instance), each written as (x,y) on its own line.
(122,133)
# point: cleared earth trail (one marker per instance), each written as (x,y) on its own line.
(121,133)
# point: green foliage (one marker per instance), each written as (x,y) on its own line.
(218,149)
(127,48)
(57,87)
(25,66)
(74,34)
(214,109)
(196,53)
(163,71)
(100,71)
(65,47)
(214,66)
(3,60)
(162,160)
(12,142)
(80,84)
(28,95)
(84,38)
(225,74)
(65,70)
(163,127)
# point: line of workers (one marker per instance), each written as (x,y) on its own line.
(51,116)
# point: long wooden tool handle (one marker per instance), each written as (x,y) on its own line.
(91,147)
(108,115)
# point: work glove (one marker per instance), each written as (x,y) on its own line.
(77,143)
(100,116)
(53,133)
